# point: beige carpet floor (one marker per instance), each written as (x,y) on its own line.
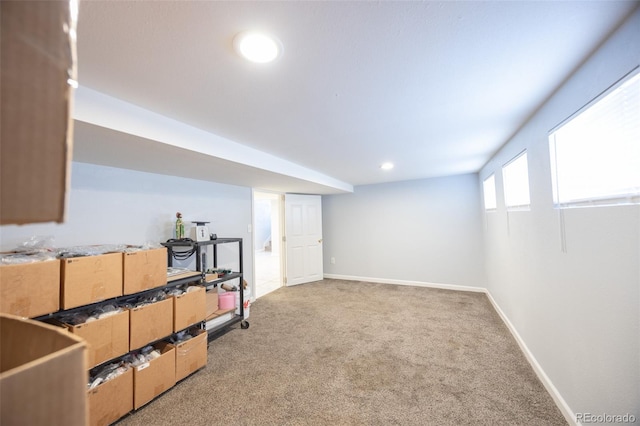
(354,353)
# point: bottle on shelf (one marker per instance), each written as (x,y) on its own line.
(179,226)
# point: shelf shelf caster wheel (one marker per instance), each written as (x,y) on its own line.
(244,325)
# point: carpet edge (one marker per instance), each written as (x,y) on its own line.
(566,411)
(406,282)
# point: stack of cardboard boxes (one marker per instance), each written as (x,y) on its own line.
(44,367)
(36,289)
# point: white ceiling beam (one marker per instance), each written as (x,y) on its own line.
(96,108)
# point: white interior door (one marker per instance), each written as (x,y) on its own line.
(303,232)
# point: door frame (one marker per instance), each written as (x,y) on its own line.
(282,252)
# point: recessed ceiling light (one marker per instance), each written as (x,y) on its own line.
(257,47)
(386,166)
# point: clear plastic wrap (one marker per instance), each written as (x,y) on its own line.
(145,246)
(176,291)
(80,251)
(183,336)
(93,314)
(104,373)
(181,289)
(144,355)
(40,248)
(37,243)
(20,258)
(145,300)
(172,271)
(36,249)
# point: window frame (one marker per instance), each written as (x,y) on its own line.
(516,207)
(495,194)
(594,200)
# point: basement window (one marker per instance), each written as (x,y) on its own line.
(595,154)
(515,175)
(489,191)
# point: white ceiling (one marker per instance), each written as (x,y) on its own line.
(435,87)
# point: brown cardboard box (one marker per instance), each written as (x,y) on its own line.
(155,376)
(150,323)
(191,355)
(90,279)
(212,303)
(189,308)
(186,274)
(144,269)
(30,289)
(107,338)
(43,374)
(111,400)
(37,57)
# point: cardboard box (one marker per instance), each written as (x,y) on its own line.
(144,269)
(191,355)
(90,279)
(187,274)
(107,338)
(212,303)
(30,289)
(43,374)
(154,377)
(219,318)
(111,400)
(210,277)
(37,57)
(189,308)
(150,323)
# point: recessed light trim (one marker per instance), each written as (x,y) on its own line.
(386,166)
(257,47)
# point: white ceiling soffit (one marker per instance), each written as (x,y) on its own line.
(435,87)
(107,147)
(114,133)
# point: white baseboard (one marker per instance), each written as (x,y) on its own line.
(404,282)
(568,414)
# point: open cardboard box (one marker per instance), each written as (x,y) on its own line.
(150,323)
(43,374)
(191,355)
(154,377)
(37,58)
(90,279)
(189,308)
(144,269)
(107,338)
(30,289)
(111,400)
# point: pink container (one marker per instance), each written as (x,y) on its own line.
(226,300)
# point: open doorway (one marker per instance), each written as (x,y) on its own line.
(267,242)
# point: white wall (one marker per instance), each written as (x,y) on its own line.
(577,312)
(114,206)
(422,231)
(262,220)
